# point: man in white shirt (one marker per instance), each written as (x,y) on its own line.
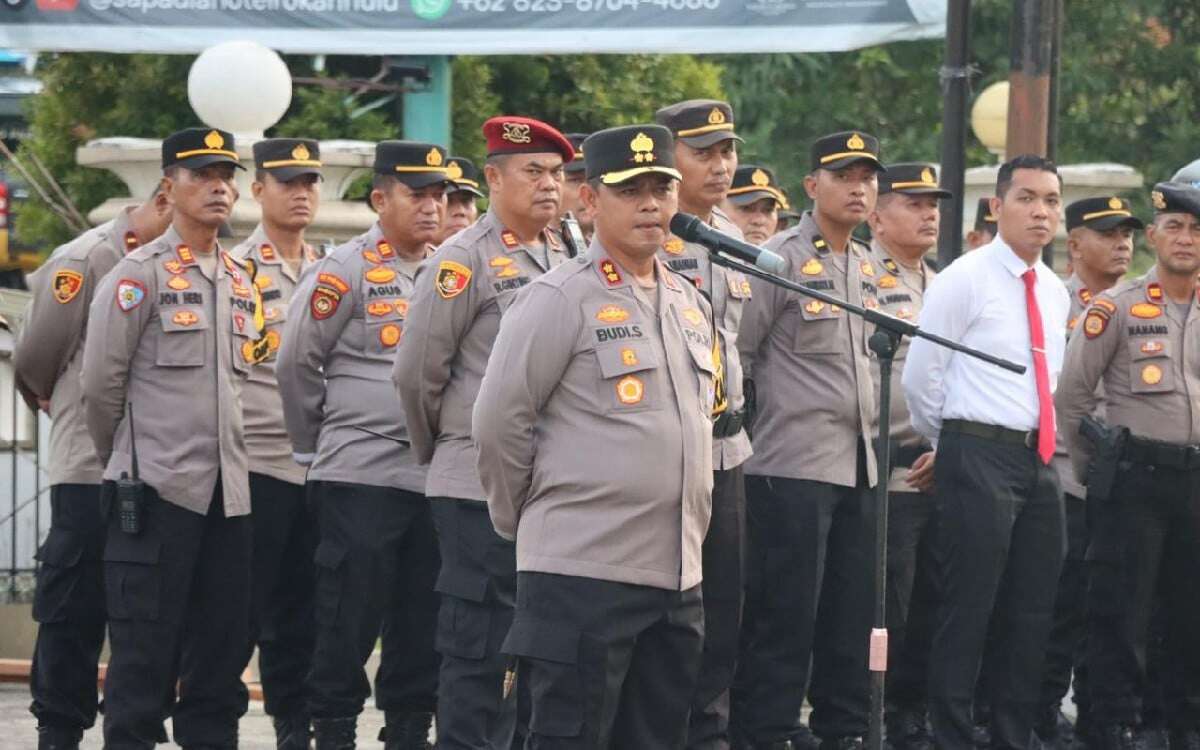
(1000,501)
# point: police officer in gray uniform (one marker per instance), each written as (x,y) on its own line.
(68,604)
(456,310)
(1100,234)
(595,448)
(377,559)
(706,156)
(810,511)
(163,366)
(904,228)
(287,187)
(1140,340)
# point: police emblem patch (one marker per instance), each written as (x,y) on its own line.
(66,285)
(452,279)
(130,294)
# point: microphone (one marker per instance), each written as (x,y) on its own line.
(691,229)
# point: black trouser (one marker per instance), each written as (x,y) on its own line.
(609,665)
(1065,650)
(1001,541)
(68,606)
(723,562)
(179,610)
(477,586)
(912,597)
(1146,539)
(810,556)
(376,564)
(281,622)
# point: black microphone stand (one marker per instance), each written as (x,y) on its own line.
(884,342)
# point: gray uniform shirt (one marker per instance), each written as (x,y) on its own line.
(49,348)
(1146,354)
(460,297)
(334,367)
(901,291)
(810,363)
(595,436)
(176,343)
(1081,297)
(727,291)
(267,443)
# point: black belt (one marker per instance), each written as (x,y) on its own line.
(1024,438)
(1157,453)
(728,423)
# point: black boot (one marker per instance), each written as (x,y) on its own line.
(335,734)
(804,739)
(406,731)
(842,743)
(292,732)
(1117,737)
(57,738)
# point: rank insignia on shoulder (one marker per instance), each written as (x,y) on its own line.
(184,254)
(1154,292)
(1145,310)
(452,279)
(509,239)
(324,302)
(812,267)
(385,250)
(1085,295)
(630,390)
(891,266)
(674,246)
(1094,324)
(866,268)
(266,251)
(131,241)
(178,283)
(130,294)
(612,313)
(389,335)
(380,275)
(888,282)
(66,285)
(334,282)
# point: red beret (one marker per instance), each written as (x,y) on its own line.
(524,135)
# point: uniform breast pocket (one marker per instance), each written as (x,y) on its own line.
(712,377)
(183,339)
(629,379)
(1152,370)
(818,329)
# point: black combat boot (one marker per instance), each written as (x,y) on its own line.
(292,732)
(57,738)
(335,734)
(406,731)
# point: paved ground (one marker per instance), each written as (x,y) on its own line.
(18,730)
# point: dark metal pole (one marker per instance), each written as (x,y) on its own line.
(1057,10)
(956,83)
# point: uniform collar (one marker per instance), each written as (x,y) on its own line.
(613,276)
(1078,291)
(1008,258)
(122,230)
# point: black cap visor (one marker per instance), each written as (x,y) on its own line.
(200,161)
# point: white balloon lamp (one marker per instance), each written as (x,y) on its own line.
(240,86)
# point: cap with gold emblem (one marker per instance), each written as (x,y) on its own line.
(577,164)
(194,148)
(464,176)
(618,154)
(752,183)
(699,122)
(1175,198)
(840,150)
(984,218)
(414,163)
(288,158)
(509,134)
(911,178)
(1102,214)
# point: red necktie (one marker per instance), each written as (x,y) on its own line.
(1040,372)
